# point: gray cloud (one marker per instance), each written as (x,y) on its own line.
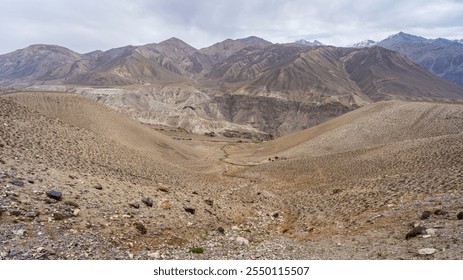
(88,25)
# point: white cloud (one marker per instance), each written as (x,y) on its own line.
(88,25)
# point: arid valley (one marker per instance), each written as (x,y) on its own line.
(243,150)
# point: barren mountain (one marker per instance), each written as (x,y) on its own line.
(36,63)
(81,181)
(383,74)
(220,51)
(440,56)
(246,87)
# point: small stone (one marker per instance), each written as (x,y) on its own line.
(130,255)
(163,188)
(426,236)
(242,241)
(189,224)
(460,216)
(415,232)
(32,214)
(4,254)
(54,194)
(76,212)
(98,187)
(2,161)
(156,255)
(427,251)
(209,202)
(339,244)
(235,228)
(221,230)
(190,210)
(19,232)
(425,215)
(17,183)
(147,201)
(134,205)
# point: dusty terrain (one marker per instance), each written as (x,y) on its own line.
(355,187)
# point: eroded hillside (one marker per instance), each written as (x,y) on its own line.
(355,187)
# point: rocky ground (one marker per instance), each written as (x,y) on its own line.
(71,189)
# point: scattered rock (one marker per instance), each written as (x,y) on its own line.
(425,215)
(242,241)
(426,251)
(54,194)
(2,161)
(140,227)
(460,215)
(98,186)
(415,232)
(221,230)
(209,202)
(19,232)
(134,205)
(147,201)
(76,212)
(16,212)
(190,210)
(156,255)
(235,228)
(32,214)
(276,215)
(17,183)
(431,231)
(163,188)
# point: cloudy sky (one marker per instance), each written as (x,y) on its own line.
(87,25)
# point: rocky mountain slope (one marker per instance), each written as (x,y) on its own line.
(81,181)
(246,87)
(440,56)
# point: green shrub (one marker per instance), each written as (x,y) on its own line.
(197,250)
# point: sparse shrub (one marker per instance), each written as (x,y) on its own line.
(197,250)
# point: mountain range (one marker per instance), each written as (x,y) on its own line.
(246,87)
(440,56)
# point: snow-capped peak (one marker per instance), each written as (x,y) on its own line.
(308,43)
(365,44)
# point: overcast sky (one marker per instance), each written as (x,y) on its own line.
(87,25)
